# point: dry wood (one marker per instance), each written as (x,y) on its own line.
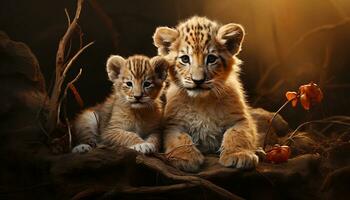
(62,68)
(160,167)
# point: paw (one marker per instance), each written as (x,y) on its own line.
(186,158)
(81,148)
(239,159)
(145,147)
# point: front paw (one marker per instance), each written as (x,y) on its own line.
(186,158)
(144,147)
(244,159)
(81,148)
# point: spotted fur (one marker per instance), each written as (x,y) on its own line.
(205,106)
(131,115)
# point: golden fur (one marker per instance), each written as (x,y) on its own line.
(131,115)
(205,106)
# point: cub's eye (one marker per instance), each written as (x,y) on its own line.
(147,84)
(128,83)
(185,59)
(211,58)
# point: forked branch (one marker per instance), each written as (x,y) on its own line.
(62,67)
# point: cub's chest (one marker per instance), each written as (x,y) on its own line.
(142,125)
(206,125)
(208,116)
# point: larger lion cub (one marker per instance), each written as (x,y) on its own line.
(206,111)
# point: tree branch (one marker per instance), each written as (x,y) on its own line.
(160,167)
(62,67)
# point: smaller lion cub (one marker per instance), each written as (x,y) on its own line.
(131,115)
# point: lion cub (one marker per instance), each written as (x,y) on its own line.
(206,110)
(131,115)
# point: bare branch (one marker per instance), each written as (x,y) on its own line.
(331,120)
(65,93)
(69,133)
(71,61)
(70,40)
(68,17)
(62,68)
(63,42)
(158,165)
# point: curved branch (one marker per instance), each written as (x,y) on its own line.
(64,40)
(62,67)
(160,167)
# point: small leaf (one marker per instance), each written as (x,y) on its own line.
(76,95)
(292,96)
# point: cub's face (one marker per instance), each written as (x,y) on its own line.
(138,80)
(201,53)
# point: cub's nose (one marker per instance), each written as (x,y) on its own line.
(198,81)
(138,97)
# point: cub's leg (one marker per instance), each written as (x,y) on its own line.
(120,137)
(182,152)
(238,146)
(85,131)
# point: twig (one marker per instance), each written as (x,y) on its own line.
(62,68)
(68,17)
(63,42)
(71,61)
(73,81)
(69,133)
(70,40)
(65,117)
(339,117)
(65,93)
(273,117)
(315,121)
(71,86)
(77,96)
(148,190)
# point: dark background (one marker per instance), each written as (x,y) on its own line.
(274,60)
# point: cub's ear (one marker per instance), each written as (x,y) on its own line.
(231,36)
(160,66)
(163,38)
(114,65)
